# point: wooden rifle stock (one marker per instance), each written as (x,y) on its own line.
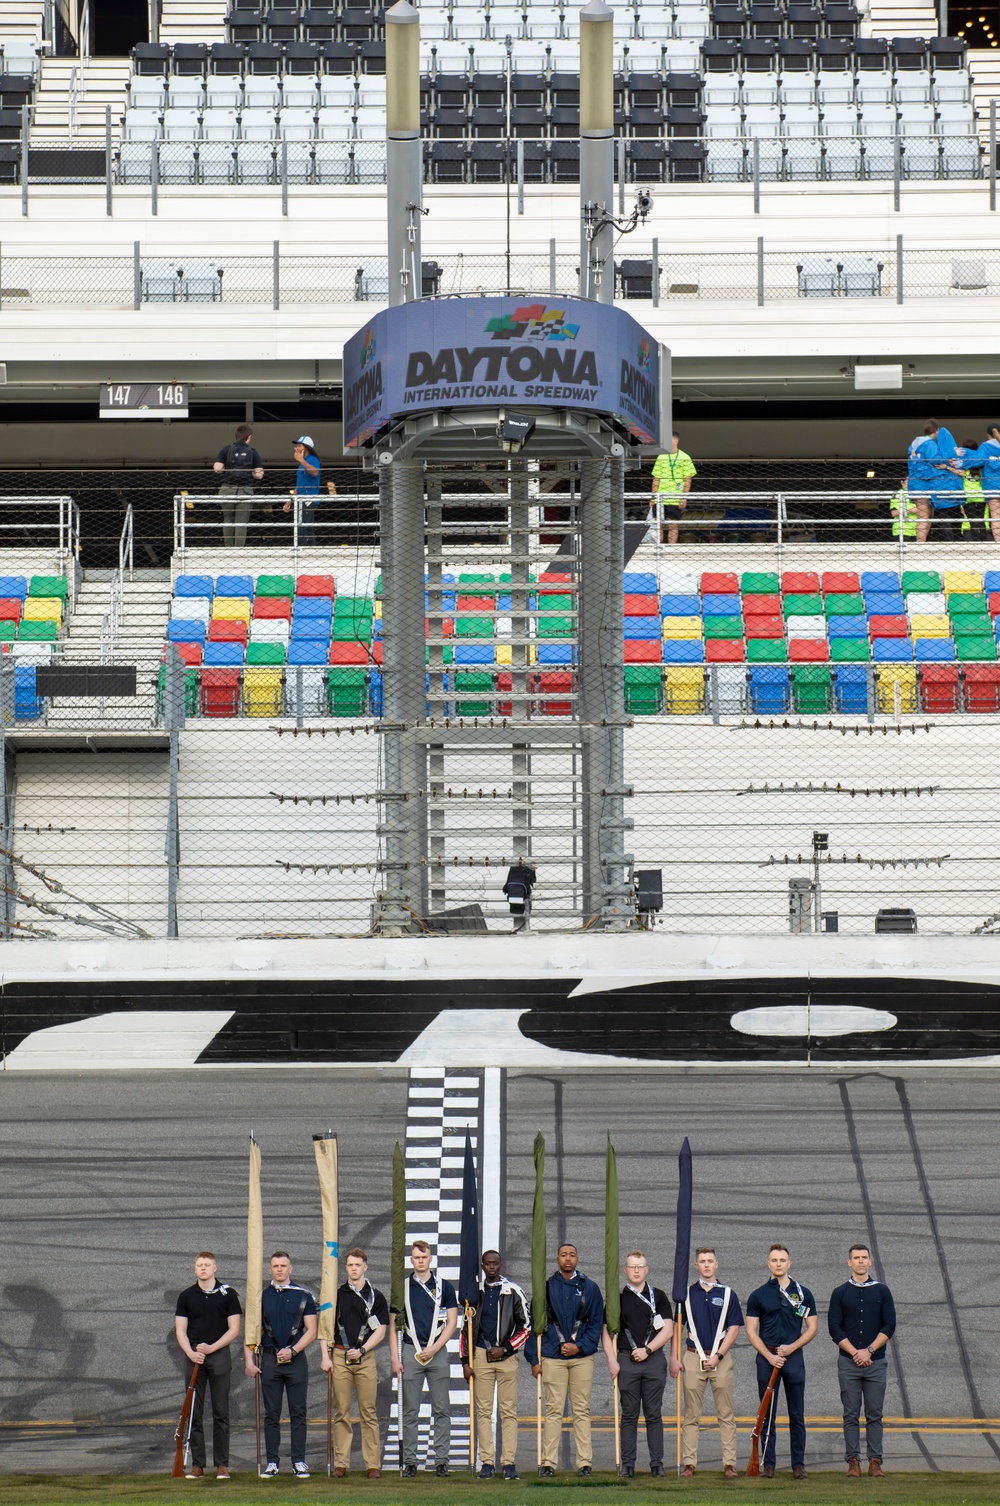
(183,1432)
(753,1468)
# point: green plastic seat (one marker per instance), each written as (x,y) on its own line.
(352,630)
(468,579)
(759,583)
(644,689)
(920,580)
(353,606)
(276,585)
(802,606)
(190,690)
(767,651)
(723,627)
(467,683)
(347,691)
(558,604)
(841,605)
(48,585)
(7,630)
(447,654)
(37,632)
(967,604)
(849,651)
(975,649)
(555,627)
(476,627)
(979,625)
(811,688)
(265,653)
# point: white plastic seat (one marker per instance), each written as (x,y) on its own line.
(134,162)
(818,277)
(220,125)
(763,93)
(860,276)
(334,124)
(261,94)
(256,160)
(800,121)
(191,608)
(805,627)
(873,90)
(838,120)
(804,158)
(142,125)
(305,686)
(724,120)
(32,653)
(678,583)
(730,681)
(178,161)
(370,130)
(269,630)
(332,161)
(186,93)
(835,94)
(335,94)
(926,604)
(720,93)
(727,159)
(877,120)
(258,125)
(299,161)
(145,93)
(961,157)
(762,120)
(370,161)
(918,120)
(222,93)
(297,125)
(216,161)
(371,91)
(299,92)
(955,118)
(181,125)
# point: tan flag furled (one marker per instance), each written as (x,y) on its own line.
(255,1251)
(325,1147)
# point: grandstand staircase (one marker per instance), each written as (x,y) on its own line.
(72,96)
(984,66)
(22,19)
(902,18)
(193,21)
(139,641)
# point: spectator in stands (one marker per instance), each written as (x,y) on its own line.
(904,512)
(935,482)
(672,476)
(240,466)
(306,487)
(987,457)
(521,879)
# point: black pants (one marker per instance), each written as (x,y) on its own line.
(291,1379)
(642,1384)
(792,1379)
(216,1372)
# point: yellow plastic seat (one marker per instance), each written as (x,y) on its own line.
(231,608)
(887,677)
(682,627)
(685,689)
(962,580)
(505,654)
(924,626)
(262,692)
(42,609)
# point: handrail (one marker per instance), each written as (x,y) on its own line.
(126,544)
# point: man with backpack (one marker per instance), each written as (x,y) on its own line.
(240,466)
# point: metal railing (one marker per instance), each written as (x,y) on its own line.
(111,623)
(43,523)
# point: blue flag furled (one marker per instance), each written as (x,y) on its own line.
(682,1249)
(468,1265)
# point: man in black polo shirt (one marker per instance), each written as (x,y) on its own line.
(206,1321)
(639,1360)
(360,1322)
(289,1323)
(862,1320)
(420,1353)
(781,1321)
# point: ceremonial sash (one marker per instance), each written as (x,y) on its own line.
(692,1330)
(437,1323)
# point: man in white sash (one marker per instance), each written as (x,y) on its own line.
(420,1354)
(713,1321)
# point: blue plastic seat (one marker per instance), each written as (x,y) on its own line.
(15,587)
(554,653)
(850,688)
(991,582)
(312,606)
(474,653)
(892,651)
(640,583)
(183,630)
(375,693)
(234,585)
(684,651)
(647,627)
(934,650)
(27,705)
(769,688)
(195,585)
(219,655)
(847,627)
(312,625)
(884,604)
(880,580)
(714,604)
(680,606)
(308,651)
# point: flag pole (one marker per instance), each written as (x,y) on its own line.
(397,1272)
(682,1262)
(539,1278)
(255,1277)
(468,1276)
(612,1272)
(328,1171)
(472,1390)
(677,1384)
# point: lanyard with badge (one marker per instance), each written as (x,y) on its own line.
(655,1322)
(798,1307)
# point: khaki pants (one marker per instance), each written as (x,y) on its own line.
(501,1378)
(350,1381)
(575,1376)
(721,1383)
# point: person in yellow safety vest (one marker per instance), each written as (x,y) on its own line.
(904,512)
(672,477)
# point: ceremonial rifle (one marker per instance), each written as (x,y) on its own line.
(753,1468)
(182,1437)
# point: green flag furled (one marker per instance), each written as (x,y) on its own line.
(325,1148)
(255,1251)
(612,1252)
(397,1263)
(539,1259)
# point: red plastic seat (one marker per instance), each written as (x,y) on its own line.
(554,680)
(642,606)
(554,582)
(841,582)
(643,651)
(475,604)
(191,653)
(981,687)
(888,627)
(799,583)
(220,692)
(316,585)
(505,681)
(725,651)
(938,688)
(272,607)
(808,651)
(10,609)
(350,653)
(994,603)
(715,584)
(221,630)
(376,649)
(764,627)
(761,606)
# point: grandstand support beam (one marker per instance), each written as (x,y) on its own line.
(597,152)
(404,151)
(403,893)
(520,626)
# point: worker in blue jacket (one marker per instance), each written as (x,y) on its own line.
(987,456)
(575,1313)
(933,478)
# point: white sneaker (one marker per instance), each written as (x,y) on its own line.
(269,1471)
(300,1470)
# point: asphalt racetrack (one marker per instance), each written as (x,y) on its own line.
(110,1183)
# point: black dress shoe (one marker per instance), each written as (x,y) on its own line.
(628,1471)
(442,1470)
(409,1471)
(585,1473)
(546,1472)
(768,1471)
(657,1470)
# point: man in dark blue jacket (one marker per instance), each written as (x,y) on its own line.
(862,1320)
(575,1310)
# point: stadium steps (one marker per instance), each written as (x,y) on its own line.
(22,19)
(902,18)
(193,21)
(99,82)
(140,641)
(984,66)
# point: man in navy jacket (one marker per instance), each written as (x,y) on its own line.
(575,1310)
(862,1320)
